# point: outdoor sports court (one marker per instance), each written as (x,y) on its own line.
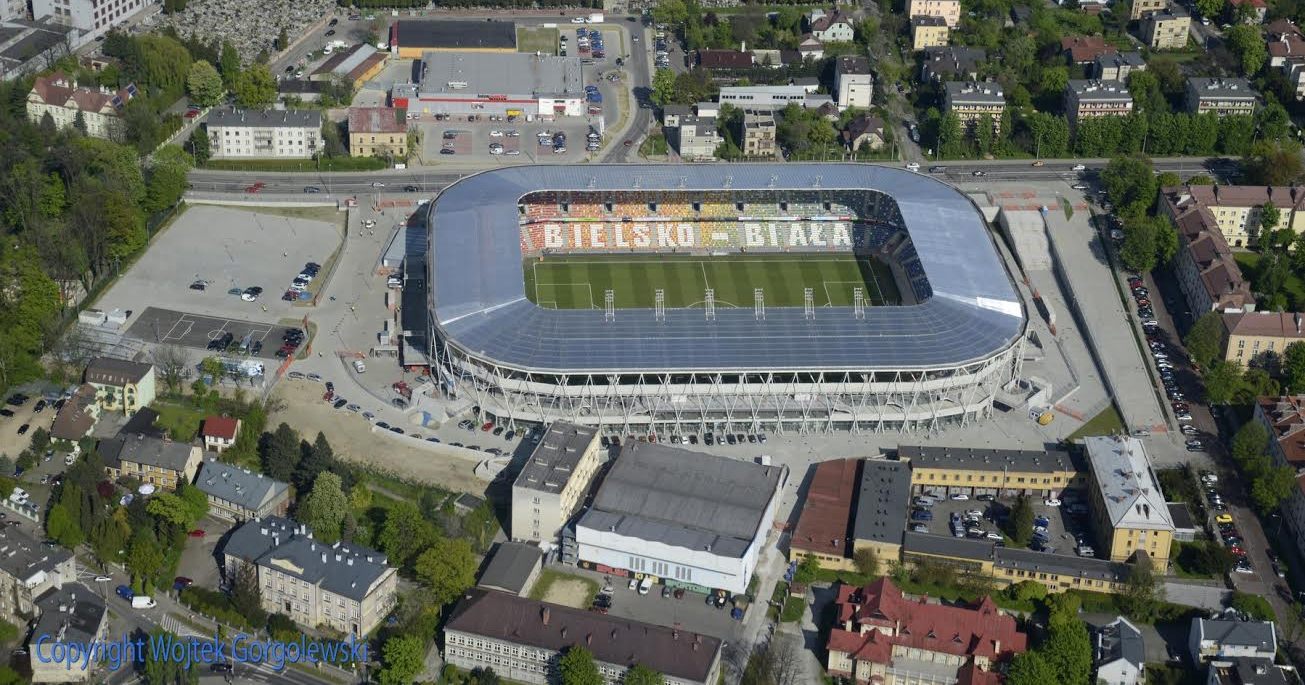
(579,281)
(168,327)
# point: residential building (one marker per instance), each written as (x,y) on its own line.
(100,109)
(1286,47)
(823,526)
(757,133)
(29,570)
(1253,334)
(1284,419)
(78,415)
(885,488)
(237,494)
(1237,209)
(1256,13)
(1090,98)
(970,101)
(951,63)
(93,19)
(723,59)
(354,66)
(810,48)
(881,636)
(347,588)
(121,385)
(378,132)
(1128,508)
(773,59)
(513,568)
(274,134)
(941,471)
(866,132)
(1140,9)
(949,10)
(929,32)
(1120,655)
(830,27)
(1251,671)
(413,38)
(770,97)
(1207,273)
(1085,49)
(73,614)
(1117,66)
(219,432)
(685,518)
(553,482)
(854,82)
(162,463)
(671,115)
(1221,96)
(1223,639)
(1167,29)
(522,639)
(697,138)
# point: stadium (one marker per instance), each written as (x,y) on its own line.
(686,299)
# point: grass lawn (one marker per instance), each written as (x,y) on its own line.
(578,282)
(1108,421)
(793,608)
(180,421)
(1187,551)
(1250,262)
(547,577)
(654,145)
(537,40)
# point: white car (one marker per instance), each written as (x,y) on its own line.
(512,133)
(496,134)
(913,166)
(103,579)
(369,223)
(377,184)
(512,153)
(994,536)
(248,297)
(1051,502)
(582,20)
(1079,186)
(960,497)
(359,366)
(1078,167)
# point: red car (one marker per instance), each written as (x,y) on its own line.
(1237,551)
(197,533)
(192,113)
(488,425)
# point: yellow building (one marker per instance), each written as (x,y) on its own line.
(822,526)
(1128,508)
(948,10)
(943,471)
(881,508)
(1007,565)
(1167,29)
(1237,209)
(121,385)
(153,461)
(1141,8)
(1253,336)
(929,32)
(411,38)
(378,132)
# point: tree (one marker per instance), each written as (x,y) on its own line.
(1141,590)
(867,562)
(1273,485)
(448,568)
(79,122)
(61,527)
(166,181)
(1069,649)
(807,569)
(1250,442)
(1020,522)
(144,555)
(1269,218)
(1223,380)
(279,453)
(198,146)
(1293,367)
(229,64)
(404,657)
(168,507)
(166,671)
(577,667)
(1205,339)
(1247,43)
(663,87)
(1130,184)
(1031,668)
(951,137)
(405,533)
(256,88)
(1255,606)
(1211,9)
(282,40)
(205,84)
(172,364)
(1140,244)
(642,675)
(246,597)
(324,508)
(1273,162)
(316,458)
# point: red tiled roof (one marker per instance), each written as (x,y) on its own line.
(1271,324)
(376,120)
(1086,48)
(58,89)
(822,526)
(223,427)
(1286,416)
(878,609)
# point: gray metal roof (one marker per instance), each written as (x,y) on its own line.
(885,489)
(22,557)
(478,290)
(73,612)
(948,546)
(553,461)
(510,567)
(1220,87)
(238,486)
(145,450)
(470,74)
(267,118)
(1122,471)
(343,569)
(982,459)
(1062,564)
(1259,635)
(1120,639)
(682,498)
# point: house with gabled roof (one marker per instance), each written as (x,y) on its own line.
(100,108)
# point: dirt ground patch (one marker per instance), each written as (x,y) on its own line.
(352,438)
(559,588)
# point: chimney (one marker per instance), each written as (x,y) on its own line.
(563,632)
(544,614)
(589,639)
(324,556)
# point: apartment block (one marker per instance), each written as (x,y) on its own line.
(267,134)
(1167,29)
(970,101)
(159,462)
(1090,98)
(1237,209)
(552,485)
(854,82)
(1221,96)
(28,570)
(929,32)
(93,18)
(1117,66)
(237,494)
(757,134)
(1140,9)
(1207,273)
(948,10)
(697,138)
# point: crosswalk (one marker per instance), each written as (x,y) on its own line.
(176,627)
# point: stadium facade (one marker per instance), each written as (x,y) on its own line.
(937,359)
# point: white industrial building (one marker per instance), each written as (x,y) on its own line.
(507,83)
(770,98)
(92,17)
(684,518)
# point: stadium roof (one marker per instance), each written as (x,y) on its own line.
(479,302)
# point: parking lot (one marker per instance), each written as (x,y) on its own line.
(472,140)
(690,612)
(1062,527)
(165,326)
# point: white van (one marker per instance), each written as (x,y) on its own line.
(924,501)
(646,585)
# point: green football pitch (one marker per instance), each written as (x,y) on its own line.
(579,281)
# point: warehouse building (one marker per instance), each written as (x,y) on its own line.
(822,527)
(510,84)
(945,471)
(410,39)
(685,518)
(355,66)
